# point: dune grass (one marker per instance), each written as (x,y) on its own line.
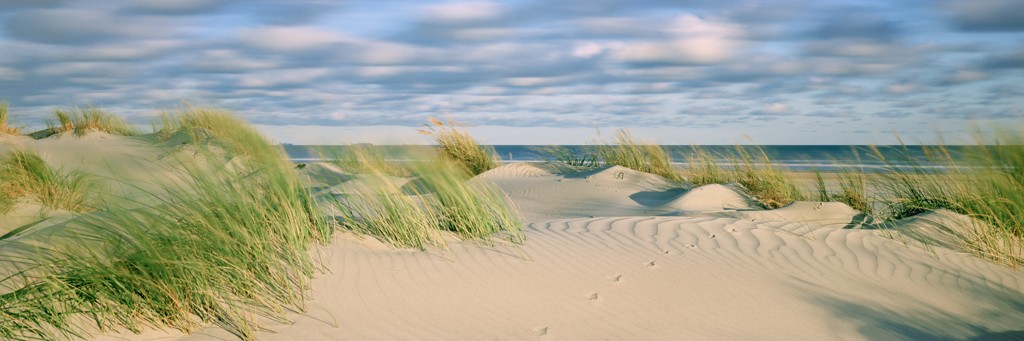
(439,197)
(25,174)
(852,189)
(223,248)
(5,127)
(359,159)
(987,185)
(750,167)
(82,120)
(626,152)
(704,169)
(587,158)
(457,145)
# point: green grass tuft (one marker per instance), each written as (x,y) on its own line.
(648,158)
(457,145)
(751,167)
(440,197)
(83,120)
(25,174)
(5,127)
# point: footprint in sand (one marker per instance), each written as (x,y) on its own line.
(651,264)
(691,246)
(711,236)
(592,297)
(667,252)
(541,331)
(616,278)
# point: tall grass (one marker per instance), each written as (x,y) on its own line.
(852,189)
(363,159)
(223,248)
(750,167)
(704,169)
(626,152)
(457,145)
(25,174)
(5,127)
(987,185)
(83,120)
(439,198)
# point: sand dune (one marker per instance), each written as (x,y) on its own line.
(617,254)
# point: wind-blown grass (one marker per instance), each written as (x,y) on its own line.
(25,174)
(83,120)
(703,169)
(439,197)
(626,152)
(363,159)
(5,127)
(986,186)
(587,158)
(457,145)
(223,248)
(852,189)
(751,168)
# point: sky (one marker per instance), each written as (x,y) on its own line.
(530,72)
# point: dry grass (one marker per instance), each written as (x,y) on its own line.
(627,152)
(457,145)
(25,174)
(5,127)
(84,120)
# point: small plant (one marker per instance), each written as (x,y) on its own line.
(83,120)
(26,174)
(648,158)
(852,190)
(5,127)
(457,145)
(585,158)
(472,209)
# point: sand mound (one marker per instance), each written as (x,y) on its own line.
(713,197)
(827,214)
(514,170)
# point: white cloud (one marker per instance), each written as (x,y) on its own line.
(693,40)
(290,38)
(9,74)
(463,11)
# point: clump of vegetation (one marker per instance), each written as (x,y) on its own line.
(25,174)
(648,158)
(763,179)
(587,158)
(754,170)
(359,159)
(5,127)
(852,189)
(457,145)
(987,185)
(83,120)
(221,247)
(440,197)
(703,169)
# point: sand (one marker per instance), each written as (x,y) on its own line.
(613,253)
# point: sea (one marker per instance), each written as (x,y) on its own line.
(825,158)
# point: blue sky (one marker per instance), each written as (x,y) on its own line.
(523,72)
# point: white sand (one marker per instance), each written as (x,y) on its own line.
(617,254)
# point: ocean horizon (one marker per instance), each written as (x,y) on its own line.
(826,158)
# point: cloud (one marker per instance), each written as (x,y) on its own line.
(692,40)
(463,12)
(986,15)
(76,26)
(290,38)
(177,7)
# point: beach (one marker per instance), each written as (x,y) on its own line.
(608,253)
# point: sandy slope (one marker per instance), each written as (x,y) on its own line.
(617,254)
